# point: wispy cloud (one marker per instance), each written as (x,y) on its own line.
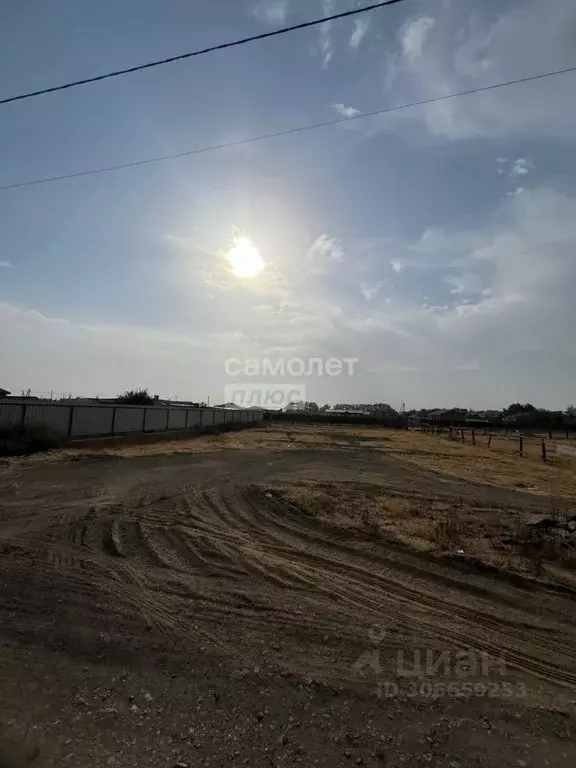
(325,33)
(324,252)
(361,26)
(414,35)
(397,265)
(500,164)
(345,111)
(368,291)
(6,265)
(271,11)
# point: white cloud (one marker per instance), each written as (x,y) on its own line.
(326,248)
(465,283)
(506,306)
(413,36)
(521,167)
(397,265)
(466,48)
(271,11)
(361,26)
(6,265)
(345,111)
(369,291)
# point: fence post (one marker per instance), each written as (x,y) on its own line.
(186,422)
(201,417)
(473,438)
(462,434)
(543,450)
(24,409)
(167,418)
(521,439)
(70,420)
(113,427)
(144,419)
(549,433)
(489,439)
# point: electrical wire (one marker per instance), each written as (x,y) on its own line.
(201,52)
(290,131)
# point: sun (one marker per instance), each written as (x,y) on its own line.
(244,257)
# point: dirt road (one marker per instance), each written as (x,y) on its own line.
(182,610)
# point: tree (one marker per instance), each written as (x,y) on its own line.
(517,408)
(136,397)
(311,407)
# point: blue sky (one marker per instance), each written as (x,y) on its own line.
(437,244)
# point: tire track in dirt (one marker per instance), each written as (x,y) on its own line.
(221,563)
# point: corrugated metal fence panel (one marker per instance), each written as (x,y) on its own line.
(208,417)
(156,419)
(194,417)
(55,417)
(218,417)
(129,420)
(177,418)
(92,420)
(10,415)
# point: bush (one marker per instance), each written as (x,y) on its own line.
(23,441)
(136,397)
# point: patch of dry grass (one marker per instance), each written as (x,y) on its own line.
(498,538)
(499,464)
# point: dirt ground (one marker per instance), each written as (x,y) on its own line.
(287,597)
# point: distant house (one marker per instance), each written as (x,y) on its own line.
(4,392)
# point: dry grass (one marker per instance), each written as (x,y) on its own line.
(488,536)
(500,464)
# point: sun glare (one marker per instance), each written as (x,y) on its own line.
(244,258)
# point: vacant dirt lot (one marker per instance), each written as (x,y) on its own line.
(288,597)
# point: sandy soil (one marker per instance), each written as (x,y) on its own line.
(264,606)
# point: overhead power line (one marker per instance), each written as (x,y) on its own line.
(289,131)
(203,51)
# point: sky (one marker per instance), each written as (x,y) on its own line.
(436,244)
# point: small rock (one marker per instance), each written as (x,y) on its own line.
(347,753)
(180,765)
(148,696)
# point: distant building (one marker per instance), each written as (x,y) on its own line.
(447,415)
(4,392)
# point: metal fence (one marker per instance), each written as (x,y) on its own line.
(77,421)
